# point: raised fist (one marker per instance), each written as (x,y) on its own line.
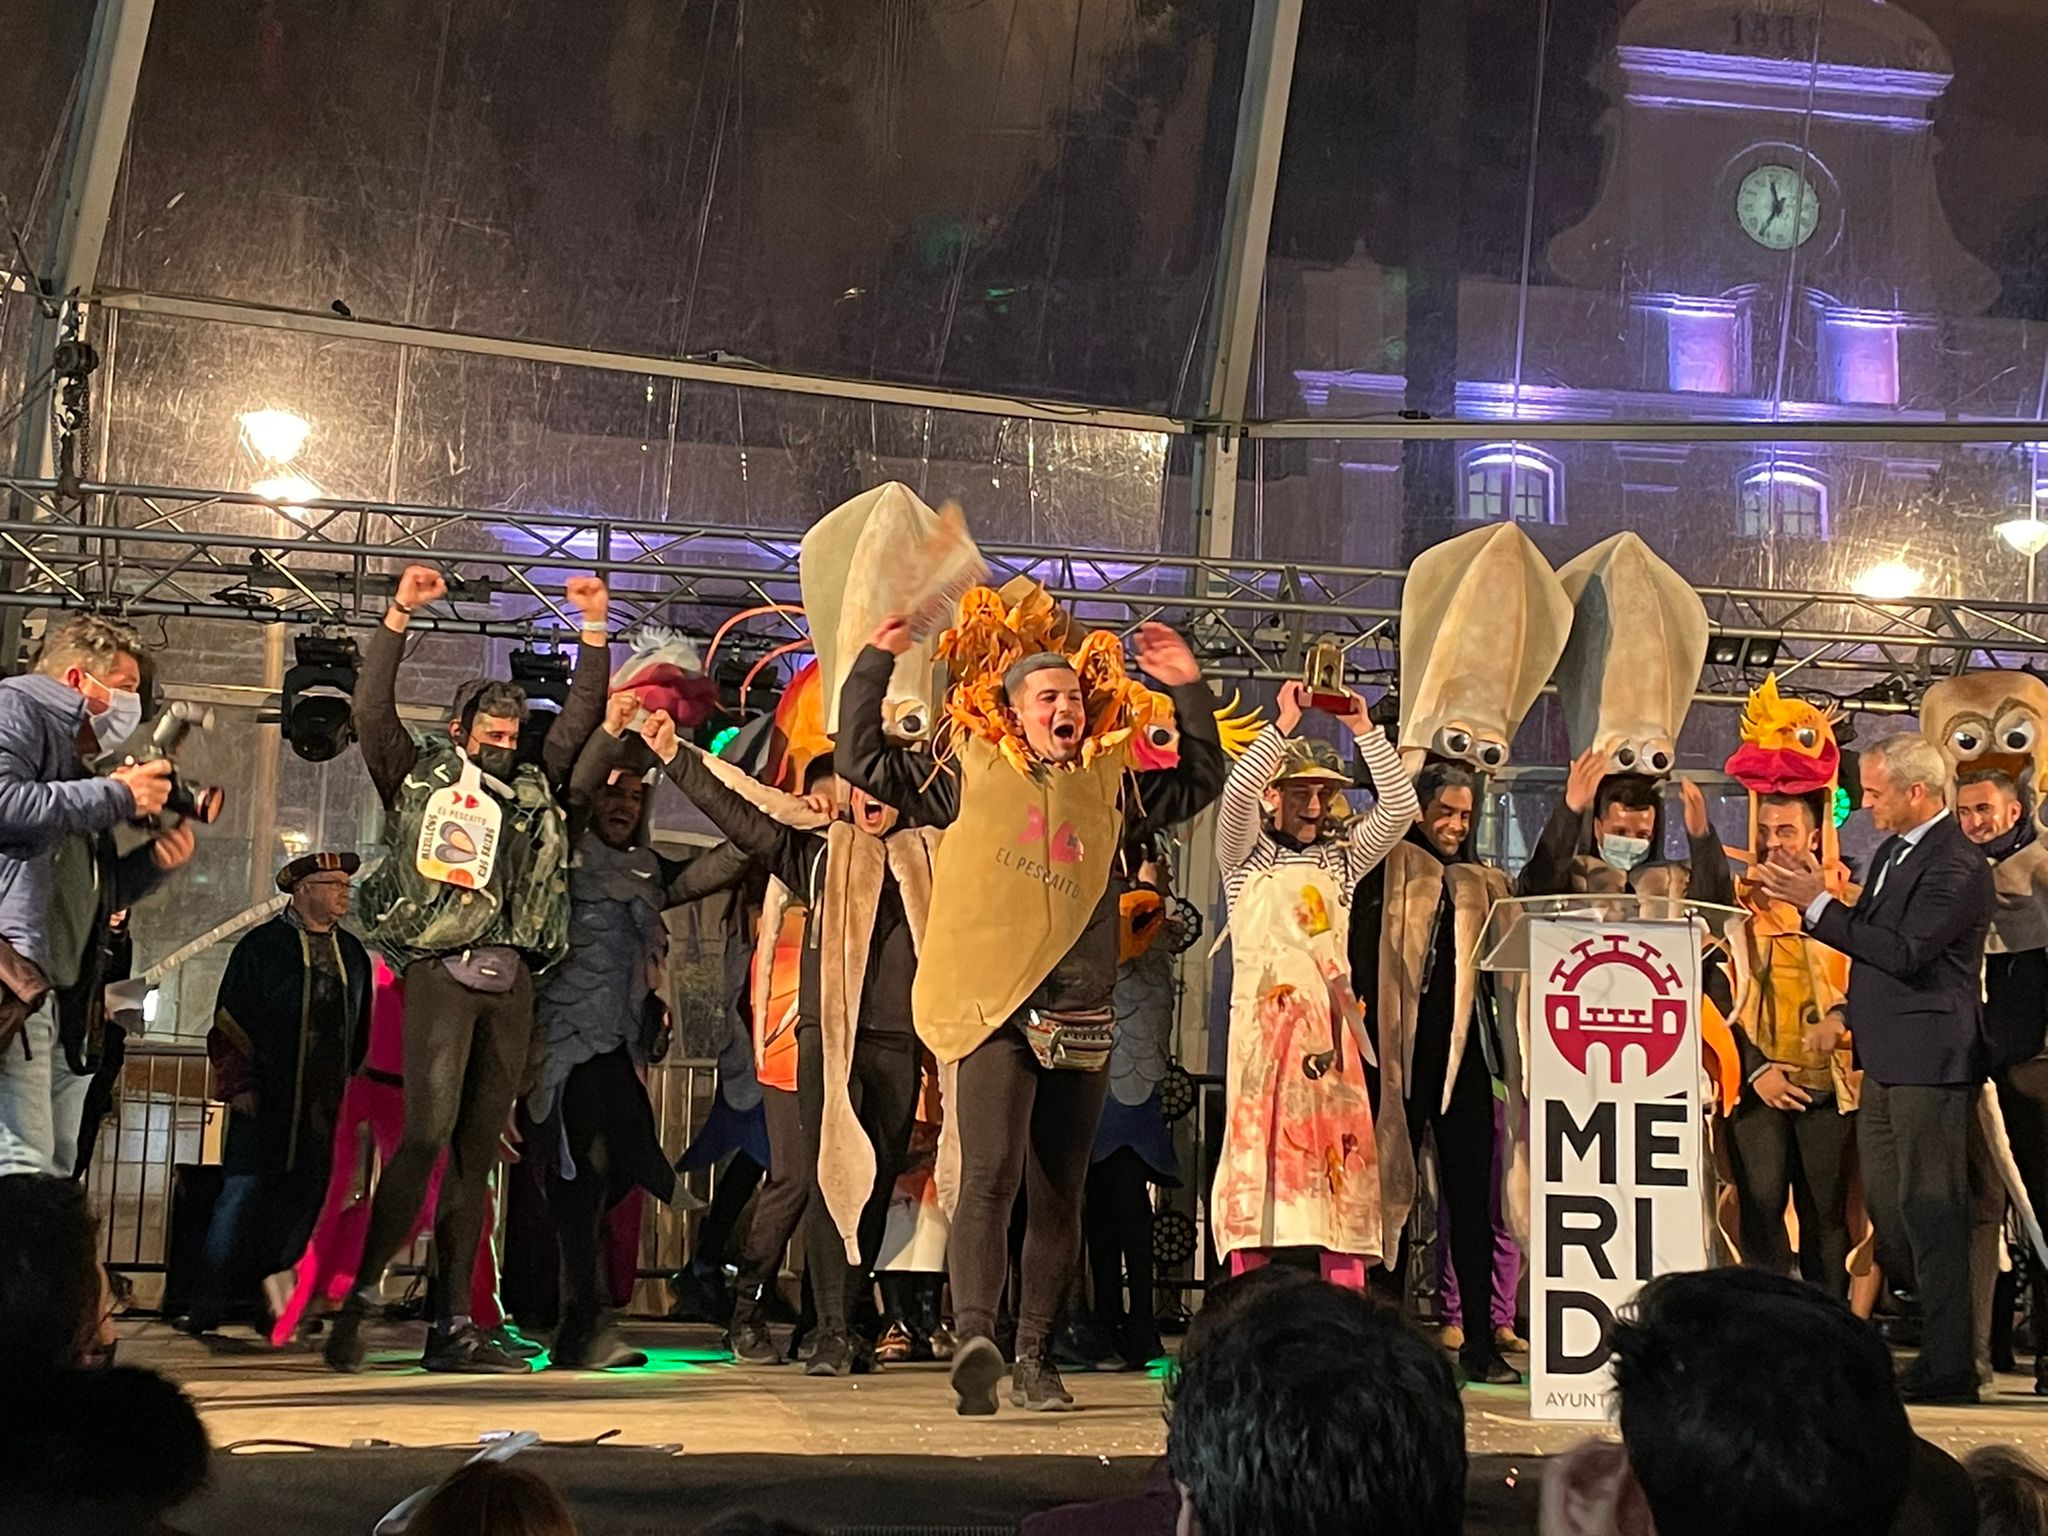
(419,585)
(589,597)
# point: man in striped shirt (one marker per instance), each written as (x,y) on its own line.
(1299,1167)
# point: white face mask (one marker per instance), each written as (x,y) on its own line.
(118,721)
(1624,853)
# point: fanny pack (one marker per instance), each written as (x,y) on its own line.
(22,990)
(1076,1040)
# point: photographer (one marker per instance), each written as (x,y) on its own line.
(60,876)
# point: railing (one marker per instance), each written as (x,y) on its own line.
(165,1116)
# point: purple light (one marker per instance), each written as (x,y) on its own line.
(1687,79)
(1862,349)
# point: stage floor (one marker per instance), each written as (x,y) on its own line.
(693,1398)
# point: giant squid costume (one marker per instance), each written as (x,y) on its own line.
(1626,680)
(1999,720)
(1483,622)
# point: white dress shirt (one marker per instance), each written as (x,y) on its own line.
(1911,840)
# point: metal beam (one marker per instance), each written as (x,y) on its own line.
(96,137)
(735,374)
(2010,433)
(1229,350)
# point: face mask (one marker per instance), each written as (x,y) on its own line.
(499,762)
(1624,853)
(120,718)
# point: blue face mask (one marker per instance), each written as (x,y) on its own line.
(1624,853)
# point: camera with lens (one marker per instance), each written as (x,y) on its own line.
(194,802)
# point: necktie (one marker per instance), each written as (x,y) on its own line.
(1896,851)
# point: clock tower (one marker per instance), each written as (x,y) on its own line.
(1760,151)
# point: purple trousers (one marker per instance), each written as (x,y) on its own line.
(1507,1256)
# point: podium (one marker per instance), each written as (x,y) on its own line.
(1603,1073)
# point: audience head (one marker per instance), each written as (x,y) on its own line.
(56,1310)
(1449,793)
(1987,804)
(1750,1402)
(618,807)
(1313,1412)
(2012,1492)
(1904,780)
(493,1498)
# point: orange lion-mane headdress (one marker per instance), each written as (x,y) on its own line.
(994,631)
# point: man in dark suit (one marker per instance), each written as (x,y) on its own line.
(1915,1014)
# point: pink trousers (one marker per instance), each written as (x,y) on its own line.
(327,1271)
(1345,1269)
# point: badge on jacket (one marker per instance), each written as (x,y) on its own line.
(459,833)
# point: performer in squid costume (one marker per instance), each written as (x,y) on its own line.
(1038,791)
(1992,727)
(1483,622)
(865,878)
(1787,1104)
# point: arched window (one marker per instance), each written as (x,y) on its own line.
(1789,503)
(1506,480)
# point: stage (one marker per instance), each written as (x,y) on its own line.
(694,1435)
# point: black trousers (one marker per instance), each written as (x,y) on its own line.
(2023,1098)
(1118,1215)
(882,1083)
(1464,1162)
(599,1098)
(465,1058)
(1778,1154)
(737,1181)
(779,1205)
(1020,1125)
(1914,1142)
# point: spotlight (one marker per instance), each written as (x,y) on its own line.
(543,676)
(1760,652)
(318,696)
(1724,651)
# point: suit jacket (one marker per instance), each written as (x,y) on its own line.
(1918,948)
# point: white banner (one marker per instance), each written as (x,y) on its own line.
(1616,1156)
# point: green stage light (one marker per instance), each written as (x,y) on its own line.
(723,740)
(1842,805)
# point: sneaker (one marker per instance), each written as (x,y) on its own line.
(1509,1342)
(832,1355)
(344,1350)
(700,1296)
(944,1345)
(468,1351)
(594,1346)
(1483,1365)
(1082,1344)
(977,1368)
(513,1342)
(748,1337)
(1452,1337)
(896,1346)
(1036,1385)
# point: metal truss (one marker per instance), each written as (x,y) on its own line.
(171,551)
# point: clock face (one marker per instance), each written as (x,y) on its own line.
(1777,207)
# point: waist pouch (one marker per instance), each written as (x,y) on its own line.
(1076,1040)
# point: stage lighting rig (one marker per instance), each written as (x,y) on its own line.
(318,698)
